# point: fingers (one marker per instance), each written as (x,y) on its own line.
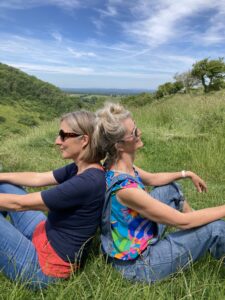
(200,185)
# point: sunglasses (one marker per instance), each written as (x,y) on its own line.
(65,135)
(133,134)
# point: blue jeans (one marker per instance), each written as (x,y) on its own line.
(176,250)
(18,257)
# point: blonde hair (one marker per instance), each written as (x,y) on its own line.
(110,130)
(84,122)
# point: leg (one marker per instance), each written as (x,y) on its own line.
(171,195)
(25,221)
(176,251)
(187,207)
(18,257)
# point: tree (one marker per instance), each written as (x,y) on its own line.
(168,88)
(187,79)
(211,73)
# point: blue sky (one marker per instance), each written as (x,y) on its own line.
(110,43)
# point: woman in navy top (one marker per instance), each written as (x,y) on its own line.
(36,249)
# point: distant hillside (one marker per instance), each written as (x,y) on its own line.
(25,101)
(17,86)
(106,91)
(14,82)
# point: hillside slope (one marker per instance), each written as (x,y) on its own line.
(25,101)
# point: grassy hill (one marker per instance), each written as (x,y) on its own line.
(26,101)
(181,132)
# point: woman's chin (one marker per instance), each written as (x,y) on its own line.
(64,155)
(140,144)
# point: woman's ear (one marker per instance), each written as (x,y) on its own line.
(85,140)
(119,146)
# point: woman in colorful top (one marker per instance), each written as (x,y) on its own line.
(133,220)
(39,250)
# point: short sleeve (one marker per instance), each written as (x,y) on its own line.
(125,184)
(65,173)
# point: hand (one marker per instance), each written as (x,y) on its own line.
(198,182)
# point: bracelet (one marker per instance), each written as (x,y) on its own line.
(183,173)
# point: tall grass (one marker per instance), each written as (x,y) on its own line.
(182,132)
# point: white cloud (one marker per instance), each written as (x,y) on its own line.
(164,19)
(27,67)
(78,54)
(57,36)
(99,24)
(215,33)
(110,11)
(26,4)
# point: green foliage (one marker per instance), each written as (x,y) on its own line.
(15,83)
(211,73)
(2,119)
(27,101)
(32,93)
(27,120)
(168,88)
(137,100)
(187,79)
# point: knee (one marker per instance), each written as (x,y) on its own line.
(8,188)
(168,193)
(216,228)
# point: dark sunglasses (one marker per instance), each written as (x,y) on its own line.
(65,135)
(133,134)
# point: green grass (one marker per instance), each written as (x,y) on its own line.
(181,132)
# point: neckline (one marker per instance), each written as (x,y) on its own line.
(100,168)
(123,172)
(118,171)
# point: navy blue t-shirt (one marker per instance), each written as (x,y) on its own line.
(75,207)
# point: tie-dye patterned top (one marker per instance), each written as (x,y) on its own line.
(131,232)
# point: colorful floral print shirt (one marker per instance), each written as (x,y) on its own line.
(131,232)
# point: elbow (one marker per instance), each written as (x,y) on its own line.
(184,226)
(184,222)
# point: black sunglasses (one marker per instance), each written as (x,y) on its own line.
(65,135)
(133,134)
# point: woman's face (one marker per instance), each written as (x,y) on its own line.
(132,138)
(71,146)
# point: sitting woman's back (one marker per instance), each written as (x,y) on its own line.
(38,249)
(134,221)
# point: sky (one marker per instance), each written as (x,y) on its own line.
(123,44)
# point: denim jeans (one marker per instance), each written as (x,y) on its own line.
(167,255)
(18,257)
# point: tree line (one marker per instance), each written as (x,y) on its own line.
(206,73)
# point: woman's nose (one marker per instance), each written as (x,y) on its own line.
(58,140)
(139,132)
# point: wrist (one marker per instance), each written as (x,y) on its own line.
(189,174)
(186,174)
(183,174)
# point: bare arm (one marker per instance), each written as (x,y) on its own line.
(157,179)
(159,212)
(32,179)
(32,201)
